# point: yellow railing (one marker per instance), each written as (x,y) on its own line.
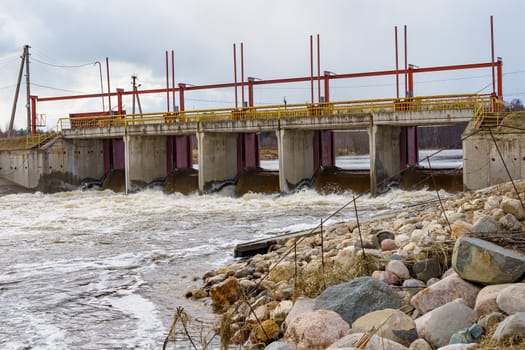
(415,104)
(39,139)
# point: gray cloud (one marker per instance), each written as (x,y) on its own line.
(355,36)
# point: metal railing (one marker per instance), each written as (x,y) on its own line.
(39,139)
(327,109)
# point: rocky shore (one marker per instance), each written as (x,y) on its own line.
(443,275)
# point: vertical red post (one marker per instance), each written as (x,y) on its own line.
(410,89)
(500,79)
(312,66)
(235,73)
(250,91)
(167,83)
(397,64)
(119,101)
(318,69)
(242,74)
(406,61)
(34,99)
(492,54)
(181,96)
(109,87)
(326,86)
(173,79)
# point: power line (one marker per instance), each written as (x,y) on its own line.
(61,65)
(58,89)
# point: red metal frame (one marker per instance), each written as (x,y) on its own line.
(408,72)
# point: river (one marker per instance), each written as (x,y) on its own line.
(103,270)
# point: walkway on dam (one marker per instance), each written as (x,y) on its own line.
(360,114)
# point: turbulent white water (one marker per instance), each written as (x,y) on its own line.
(100,270)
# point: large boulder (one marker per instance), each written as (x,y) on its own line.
(358,297)
(486,299)
(389,323)
(438,325)
(511,299)
(486,224)
(224,294)
(375,343)
(511,326)
(301,306)
(316,330)
(486,263)
(444,291)
(513,206)
(426,269)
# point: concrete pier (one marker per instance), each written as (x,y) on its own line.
(296,157)
(217,158)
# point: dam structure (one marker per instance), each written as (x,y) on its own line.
(150,147)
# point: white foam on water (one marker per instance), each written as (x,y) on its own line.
(148,325)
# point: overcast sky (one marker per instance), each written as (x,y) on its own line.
(356,36)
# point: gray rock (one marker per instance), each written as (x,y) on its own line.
(512,325)
(444,291)
(398,268)
(483,262)
(512,299)
(358,297)
(414,283)
(392,324)
(457,346)
(375,343)
(279,345)
(426,269)
(513,206)
(438,325)
(420,344)
(510,223)
(486,224)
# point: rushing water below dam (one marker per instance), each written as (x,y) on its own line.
(104,270)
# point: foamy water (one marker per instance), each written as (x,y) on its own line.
(100,270)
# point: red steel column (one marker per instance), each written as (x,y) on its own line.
(119,101)
(500,78)
(181,96)
(34,99)
(326,86)
(250,91)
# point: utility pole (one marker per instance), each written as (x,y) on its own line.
(24,58)
(135,94)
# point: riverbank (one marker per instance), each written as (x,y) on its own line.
(412,255)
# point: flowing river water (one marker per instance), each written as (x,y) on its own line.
(104,270)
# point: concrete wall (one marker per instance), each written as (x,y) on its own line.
(69,161)
(384,154)
(296,157)
(217,158)
(482,164)
(146,158)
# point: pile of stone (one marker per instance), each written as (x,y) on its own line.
(417,280)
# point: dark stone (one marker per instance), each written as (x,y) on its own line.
(358,297)
(486,224)
(426,269)
(487,263)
